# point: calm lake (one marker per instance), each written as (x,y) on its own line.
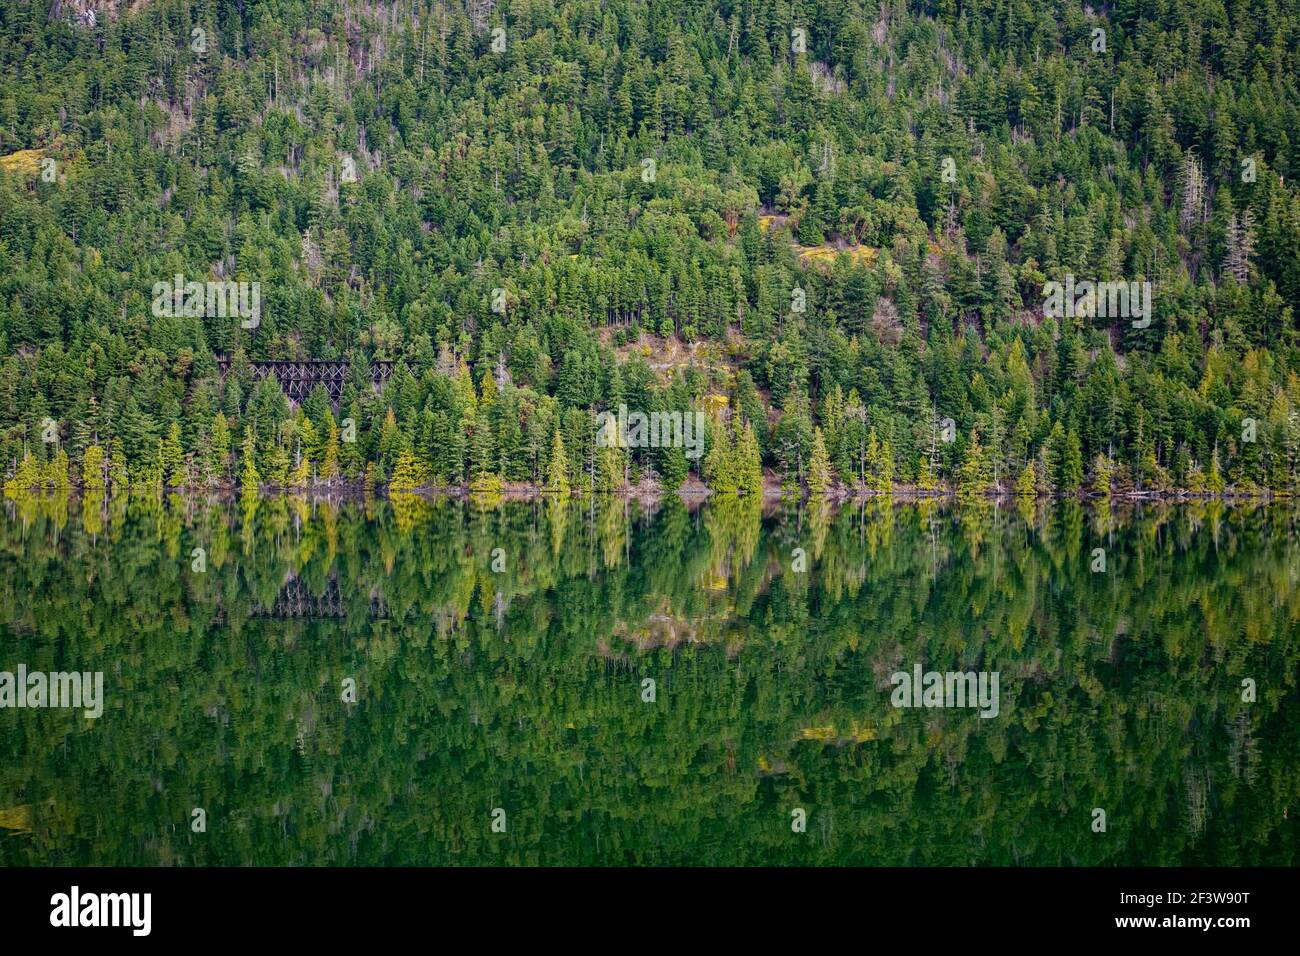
(613,682)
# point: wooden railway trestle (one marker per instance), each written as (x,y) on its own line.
(297,378)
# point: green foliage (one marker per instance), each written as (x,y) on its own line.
(172,458)
(93,470)
(749,464)
(777,698)
(819,466)
(1103,475)
(409,473)
(1027,483)
(720,461)
(250,479)
(976,474)
(557,480)
(518,283)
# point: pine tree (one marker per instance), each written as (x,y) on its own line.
(58,473)
(250,479)
(611,466)
(819,466)
(92,468)
(673,467)
(483,477)
(1027,483)
(392,442)
(975,474)
(220,461)
(408,472)
(557,471)
(329,467)
(27,479)
(310,446)
(117,471)
(719,470)
(172,458)
(880,463)
(301,475)
(1214,480)
(749,462)
(1071,463)
(1103,473)
(277,466)
(1050,457)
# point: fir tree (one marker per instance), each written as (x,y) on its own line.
(250,479)
(220,448)
(719,462)
(1027,483)
(1103,474)
(819,469)
(172,458)
(749,462)
(408,472)
(93,475)
(557,471)
(975,475)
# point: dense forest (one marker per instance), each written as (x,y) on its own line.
(826,224)
(499,656)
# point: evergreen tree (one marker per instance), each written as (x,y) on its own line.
(117,469)
(1103,474)
(408,472)
(819,469)
(749,462)
(557,472)
(250,479)
(219,464)
(329,468)
(720,460)
(976,474)
(1027,483)
(172,458)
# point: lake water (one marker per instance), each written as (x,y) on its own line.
(454,683)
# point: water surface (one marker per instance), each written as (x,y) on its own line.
(500,655)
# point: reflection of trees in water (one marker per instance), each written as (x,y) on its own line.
(519,683)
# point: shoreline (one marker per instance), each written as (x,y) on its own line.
(691,492)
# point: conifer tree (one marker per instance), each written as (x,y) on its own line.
(719,462)
(1027,483)
(118,479)
(329,467)
(1071,463)
(557,470)
(220,448)
(1103,474)
(749,462)
(250,479)
(975,475)
(408,472)
(819,468)
(172,458)
(92,468)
